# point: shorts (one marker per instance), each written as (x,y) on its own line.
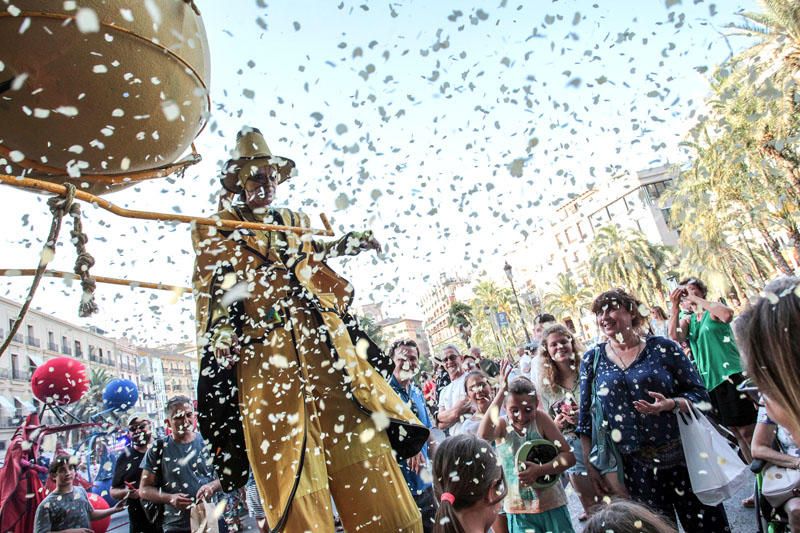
(577,449)
(730,407)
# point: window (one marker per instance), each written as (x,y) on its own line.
(78,352)
(14,364)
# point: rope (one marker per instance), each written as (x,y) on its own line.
(60,206)
(83,262)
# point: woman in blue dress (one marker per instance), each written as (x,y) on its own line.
(641,384)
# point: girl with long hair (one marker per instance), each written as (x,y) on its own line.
(558,383)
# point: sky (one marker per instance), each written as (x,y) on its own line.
(450,129)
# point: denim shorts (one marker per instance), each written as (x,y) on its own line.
(574,442)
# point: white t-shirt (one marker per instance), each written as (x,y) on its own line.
(451,395)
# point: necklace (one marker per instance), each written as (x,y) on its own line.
(619,357)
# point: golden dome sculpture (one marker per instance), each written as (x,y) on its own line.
(101,93)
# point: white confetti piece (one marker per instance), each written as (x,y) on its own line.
(87,21)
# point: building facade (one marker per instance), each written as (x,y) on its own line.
(157,373)
(405,328)
(435,306)
(630,202)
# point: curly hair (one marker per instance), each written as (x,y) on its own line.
(702,287)
(621,298)
(547,375)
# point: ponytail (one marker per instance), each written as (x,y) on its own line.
(464,468)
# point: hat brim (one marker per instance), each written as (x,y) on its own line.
(230,172)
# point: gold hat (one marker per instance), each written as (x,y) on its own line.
(251,152)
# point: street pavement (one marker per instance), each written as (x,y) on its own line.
(742,520)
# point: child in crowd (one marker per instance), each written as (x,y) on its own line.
(625,516)
(480,394)
(527,508)
(469,484)
(67,508)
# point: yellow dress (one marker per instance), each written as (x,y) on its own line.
(318,420)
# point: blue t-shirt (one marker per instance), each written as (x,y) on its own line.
(186,468)
(416,401)
(660,367)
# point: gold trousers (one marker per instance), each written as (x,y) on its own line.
(289,388)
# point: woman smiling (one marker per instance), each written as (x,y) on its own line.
(639,385)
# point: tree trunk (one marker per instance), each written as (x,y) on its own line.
(774,248)
(790,167)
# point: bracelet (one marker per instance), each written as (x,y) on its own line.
(677,406)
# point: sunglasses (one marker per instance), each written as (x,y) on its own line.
(450,357)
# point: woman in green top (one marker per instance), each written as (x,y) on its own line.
(708,331)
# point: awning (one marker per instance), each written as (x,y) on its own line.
(7,405)
(36,359)
(26,404)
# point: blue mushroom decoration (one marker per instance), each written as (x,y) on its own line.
(120,394)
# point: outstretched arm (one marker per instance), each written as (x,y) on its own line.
(352,243)
(492,427)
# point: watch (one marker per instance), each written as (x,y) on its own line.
(677,408)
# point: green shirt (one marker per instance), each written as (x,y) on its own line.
(714,349)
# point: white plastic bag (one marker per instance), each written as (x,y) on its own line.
(715,470)
(203,519)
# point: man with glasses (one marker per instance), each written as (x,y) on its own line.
(454,405)
(128,473)
(177,472)
(416,470)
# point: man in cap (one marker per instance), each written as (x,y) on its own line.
(285,373)
(128,473)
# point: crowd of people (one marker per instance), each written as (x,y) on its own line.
(299,405)
(612,411)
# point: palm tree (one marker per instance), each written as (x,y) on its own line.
(568,298)
(459,316)
(371,328)
(489,294)
(626,257)
(92,402)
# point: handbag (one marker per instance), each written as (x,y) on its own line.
(154,512)
(715,470)
(604,454)
(779,484)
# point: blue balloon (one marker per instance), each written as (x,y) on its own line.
(120,394)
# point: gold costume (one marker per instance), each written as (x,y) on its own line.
(318,420)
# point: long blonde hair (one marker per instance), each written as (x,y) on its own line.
(547,374)
(767,334)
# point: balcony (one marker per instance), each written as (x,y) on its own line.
(20,375)
(66,350)
(4,373)
(18,338)
(33,341)
(93,358)
(8,422)
(78,352)
(53,347)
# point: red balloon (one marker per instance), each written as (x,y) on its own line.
(60,381)
(98,504)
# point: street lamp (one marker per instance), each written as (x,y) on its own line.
(510,276)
